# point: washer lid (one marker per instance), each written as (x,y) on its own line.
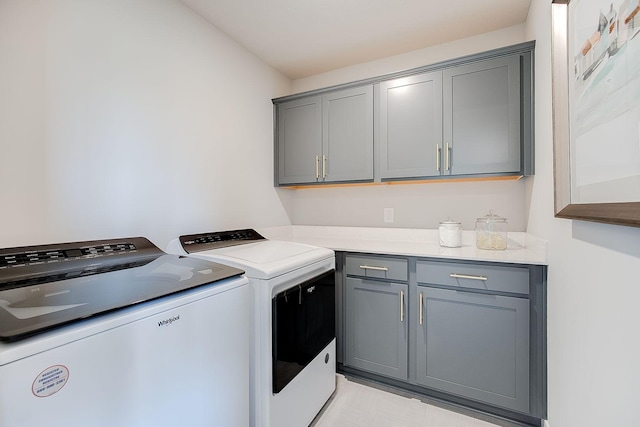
(267,259)
(48,286)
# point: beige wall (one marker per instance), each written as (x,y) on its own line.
(593,290)
(414,59)
(414,205)
(130,117)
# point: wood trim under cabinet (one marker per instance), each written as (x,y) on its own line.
(422,181)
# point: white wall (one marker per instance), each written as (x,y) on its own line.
(415,205)
(130,117)
(593,286)
(414,59)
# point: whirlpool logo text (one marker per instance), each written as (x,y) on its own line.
(170,320)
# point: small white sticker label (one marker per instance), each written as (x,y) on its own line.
(50,381)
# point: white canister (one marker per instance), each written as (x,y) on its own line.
(450,234)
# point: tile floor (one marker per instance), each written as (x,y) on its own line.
(357,403)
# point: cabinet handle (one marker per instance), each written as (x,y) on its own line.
(402,306)
(421,308)
(373,267)
(467,276)
(438,157)
(447,155)
(324,166)
(317,167)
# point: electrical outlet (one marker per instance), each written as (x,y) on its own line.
(388,214)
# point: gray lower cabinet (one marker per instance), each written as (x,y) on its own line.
(376,327)
(471,332)
(326,138)
(474,345)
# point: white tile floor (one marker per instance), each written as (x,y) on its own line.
(357,405)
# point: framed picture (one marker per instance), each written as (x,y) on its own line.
(596,110)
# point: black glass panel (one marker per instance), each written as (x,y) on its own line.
(218,239)
(303,325)
(35,303)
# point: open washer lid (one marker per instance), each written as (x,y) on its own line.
(246,249)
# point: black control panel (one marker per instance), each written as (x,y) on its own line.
(26,256)
(26,265)
(218,239)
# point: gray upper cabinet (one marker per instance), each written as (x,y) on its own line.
(347,135)
(464,118)
(299,140)
(326,138)
(411,126)
(481,115)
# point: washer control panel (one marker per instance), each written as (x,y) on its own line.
(218,239)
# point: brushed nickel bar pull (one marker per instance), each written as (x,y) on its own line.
(402,306)
(467,276)
(438,157)
(317,167)
(324,166)
(373,267)
(421,306)
(447,155)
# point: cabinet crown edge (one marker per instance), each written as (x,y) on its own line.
(520,48)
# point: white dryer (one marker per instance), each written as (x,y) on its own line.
(294,346)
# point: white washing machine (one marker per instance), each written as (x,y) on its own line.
(118,333)
(294,346)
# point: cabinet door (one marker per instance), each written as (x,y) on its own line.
(299,140)
(474,345)
(411,126)
(482,117)
(347,137)
(376,327)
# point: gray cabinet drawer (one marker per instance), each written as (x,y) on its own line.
(377,267)
(474,276)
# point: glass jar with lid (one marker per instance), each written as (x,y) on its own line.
(450,233)
(491,232)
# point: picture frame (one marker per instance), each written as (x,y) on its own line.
(580,64)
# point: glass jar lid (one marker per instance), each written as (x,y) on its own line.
(450,222)
(491,218)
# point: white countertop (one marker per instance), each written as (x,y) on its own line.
(522,248)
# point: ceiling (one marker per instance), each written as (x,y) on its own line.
(306,37)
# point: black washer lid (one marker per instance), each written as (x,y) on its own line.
(48,286)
